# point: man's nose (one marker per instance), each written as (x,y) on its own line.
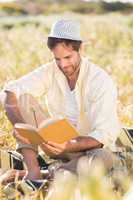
(63,63)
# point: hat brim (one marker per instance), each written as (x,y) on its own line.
(66,38)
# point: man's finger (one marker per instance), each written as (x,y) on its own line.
(61,146)
(50,148)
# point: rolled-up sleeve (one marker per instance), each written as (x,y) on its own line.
(102,114)
(35,83)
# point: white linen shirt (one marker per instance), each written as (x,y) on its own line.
(71,108)
(95,93)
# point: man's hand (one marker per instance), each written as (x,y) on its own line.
(77,144)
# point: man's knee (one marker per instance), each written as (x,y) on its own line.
(103,156)
(12,109)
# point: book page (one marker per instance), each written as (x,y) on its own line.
(29,132)
(48,121)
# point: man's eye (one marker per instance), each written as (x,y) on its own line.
(68,57)
(57,59)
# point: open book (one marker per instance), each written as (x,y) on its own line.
(56,130)
(38,128)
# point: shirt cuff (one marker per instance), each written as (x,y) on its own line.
(98,135)
(2,98)
(107,139)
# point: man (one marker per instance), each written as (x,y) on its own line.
(76,89)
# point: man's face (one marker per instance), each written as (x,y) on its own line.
(66,58)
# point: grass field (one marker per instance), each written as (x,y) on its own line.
(108,41)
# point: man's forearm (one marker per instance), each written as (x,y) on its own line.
(77,144)
(30,159)
(29,155)
(82,143)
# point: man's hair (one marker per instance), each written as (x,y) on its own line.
(52,43)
